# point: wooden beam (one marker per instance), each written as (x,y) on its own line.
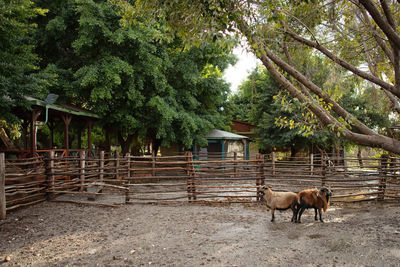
(34,115)
(2,187)
(51,126)
(67,120)
(89,136)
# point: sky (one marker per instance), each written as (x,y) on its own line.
(236,74)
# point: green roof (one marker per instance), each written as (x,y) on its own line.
(219,134)
(62,108)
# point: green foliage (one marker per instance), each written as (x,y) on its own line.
(18,61)
(142,82)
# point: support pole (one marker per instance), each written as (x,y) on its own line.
(67,120)
(34,115)
(89,136)
(51,126)
(2,187)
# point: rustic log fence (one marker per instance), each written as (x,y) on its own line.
(111,179)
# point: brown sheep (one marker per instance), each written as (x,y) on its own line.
(313,198)
(279,201)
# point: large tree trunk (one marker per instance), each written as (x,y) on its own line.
(135,148)
(156,146)
(125,143)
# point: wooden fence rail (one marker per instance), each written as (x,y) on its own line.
(111,179)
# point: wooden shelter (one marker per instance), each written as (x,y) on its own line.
(224,144)
(46,112)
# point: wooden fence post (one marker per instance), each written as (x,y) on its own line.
(383,161)
(323,171)
(101,175)
(273,164)
(311,164)
(3,210)
(128,164)
(191,190)
(259,175)
(262,162)
(82,163)
(234,164)
(153,164)
(50,175)
(117,164)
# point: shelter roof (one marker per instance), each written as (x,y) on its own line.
(73,110)
(219,134)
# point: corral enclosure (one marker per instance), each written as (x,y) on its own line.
(111,179)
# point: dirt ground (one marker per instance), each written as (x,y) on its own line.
(64,234)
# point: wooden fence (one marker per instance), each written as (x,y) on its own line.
(110,178)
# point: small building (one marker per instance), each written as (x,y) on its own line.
(247,129)
(243,128)
(222,144)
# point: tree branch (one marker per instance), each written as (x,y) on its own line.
(388,14)
(343,63)
(384,25)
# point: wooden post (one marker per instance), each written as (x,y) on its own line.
(25,126)
(101,176)
(50,175)
(191,190)
(89,137)
(67,120)
(82,169)
(51,126)
(258,176)
(128,164)
(34,115)
(262,161)
(188,174)
(117,165)
(234,164)
(323,171)
(3,210)
(312,164)
(273,164)
(383,161)
(79,135)
(153,164)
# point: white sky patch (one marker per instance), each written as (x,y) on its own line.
(235,75)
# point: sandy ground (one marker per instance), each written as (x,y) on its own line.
(62,234)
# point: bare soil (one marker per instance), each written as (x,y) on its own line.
(63,234)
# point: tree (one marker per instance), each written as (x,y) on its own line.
(18,75)
(144,87)
(349,34)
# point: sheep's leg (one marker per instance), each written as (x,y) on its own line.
(294,209)
(294,213)
(300,213)
(320,215)
(273,215)
(316,214)
(297,213)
